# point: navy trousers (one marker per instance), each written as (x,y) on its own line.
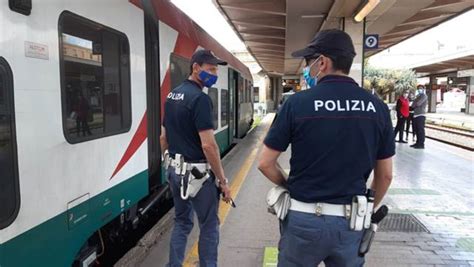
(307,240)
(206,206)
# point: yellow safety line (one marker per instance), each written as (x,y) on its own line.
(192,258)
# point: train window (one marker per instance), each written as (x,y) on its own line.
(249,92)
(256,94)
(245,92)
(213,94)
(21,6)
(224,108)
(95,79)
(9,186)
(241,90)
(180,68)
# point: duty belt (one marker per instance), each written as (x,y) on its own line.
(321,208)
(192,175)
(202,167)
(182,166)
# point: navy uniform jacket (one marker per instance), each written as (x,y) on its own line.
(188,110)
(337,132)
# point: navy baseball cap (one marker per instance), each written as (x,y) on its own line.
(206,56)
(329,43)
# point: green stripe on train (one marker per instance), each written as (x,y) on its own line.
(57,241)
(222,139)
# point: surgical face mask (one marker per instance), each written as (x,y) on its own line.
(420,91)
(310,81)
(207,78)
(405,95)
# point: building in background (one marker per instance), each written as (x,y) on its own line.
(443,59)
(450,83)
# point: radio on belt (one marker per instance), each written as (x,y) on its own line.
(361,211)
(370,208)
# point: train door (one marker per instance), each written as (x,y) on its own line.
(8,156)
(239,100)
(233,76)
(152,55)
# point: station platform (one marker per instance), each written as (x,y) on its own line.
(430,201)
(456,120)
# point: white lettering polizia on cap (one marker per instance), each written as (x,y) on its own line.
(176,96)
(344,105)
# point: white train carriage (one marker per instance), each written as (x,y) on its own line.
(81,90)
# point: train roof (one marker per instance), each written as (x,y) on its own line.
(191,32)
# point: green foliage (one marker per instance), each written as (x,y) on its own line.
(386,81)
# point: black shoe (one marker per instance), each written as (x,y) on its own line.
(401,141)
(419,147)
(414,145)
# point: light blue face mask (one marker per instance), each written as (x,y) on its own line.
(310,81)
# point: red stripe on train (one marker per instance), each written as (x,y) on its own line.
(183,47)
(137,141)
(169,14)
(190,35)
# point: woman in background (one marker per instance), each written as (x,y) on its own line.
(403,111)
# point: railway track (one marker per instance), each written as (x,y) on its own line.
(458,138)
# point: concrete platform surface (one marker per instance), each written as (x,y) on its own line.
(436,185)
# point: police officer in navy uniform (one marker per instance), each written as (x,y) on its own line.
(188,130)
(338,133)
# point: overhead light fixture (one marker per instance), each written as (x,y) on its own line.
(368,6)
(321,16)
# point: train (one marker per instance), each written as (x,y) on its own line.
(82,91)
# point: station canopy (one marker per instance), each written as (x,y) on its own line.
(273,29)
(447,65)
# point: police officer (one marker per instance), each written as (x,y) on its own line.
(338,133)
(188,131)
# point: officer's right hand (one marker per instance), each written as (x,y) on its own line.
(225,192)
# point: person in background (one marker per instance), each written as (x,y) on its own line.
(411,97)
(403,111)
(419,117)
(82,109)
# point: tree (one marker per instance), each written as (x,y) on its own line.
(386,81)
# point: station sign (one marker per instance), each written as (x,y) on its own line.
(466,73)
(371,41)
